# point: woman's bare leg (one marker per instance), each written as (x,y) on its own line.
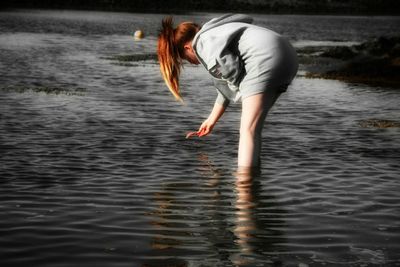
(254,110)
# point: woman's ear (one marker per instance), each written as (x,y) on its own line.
(188,47)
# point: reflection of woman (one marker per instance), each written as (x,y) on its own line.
(248,63)
(245,221)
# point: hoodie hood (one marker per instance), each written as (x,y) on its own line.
(228,18)
(216,35)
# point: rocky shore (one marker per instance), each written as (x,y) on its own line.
(375,62)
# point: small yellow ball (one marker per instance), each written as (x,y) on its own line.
(138,34)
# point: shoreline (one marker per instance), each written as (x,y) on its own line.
(234,7)
(196,12)
(375,62)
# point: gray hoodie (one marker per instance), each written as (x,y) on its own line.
(240,56)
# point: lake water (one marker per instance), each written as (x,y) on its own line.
(95,169)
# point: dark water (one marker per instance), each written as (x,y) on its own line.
(95,169)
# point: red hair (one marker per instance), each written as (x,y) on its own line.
(170,51)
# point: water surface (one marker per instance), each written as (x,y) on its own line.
(95,169)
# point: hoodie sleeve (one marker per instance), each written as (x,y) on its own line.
(221,57)
(221,99)
(231,67)
(216,46)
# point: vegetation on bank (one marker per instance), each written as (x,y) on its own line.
(385,7)
(49,90)
(379,123)
(376,62)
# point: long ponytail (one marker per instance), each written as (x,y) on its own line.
(170,49)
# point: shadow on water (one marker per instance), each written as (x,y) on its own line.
(219,220)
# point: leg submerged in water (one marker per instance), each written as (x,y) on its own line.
(254,111)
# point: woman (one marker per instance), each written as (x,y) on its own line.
(248,63)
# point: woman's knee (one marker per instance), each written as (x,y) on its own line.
(250,131)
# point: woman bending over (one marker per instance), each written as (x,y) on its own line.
(248,63)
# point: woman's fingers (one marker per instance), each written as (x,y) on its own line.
(198,133)
(203,131)
(190,134)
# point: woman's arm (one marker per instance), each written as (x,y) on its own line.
(216,113)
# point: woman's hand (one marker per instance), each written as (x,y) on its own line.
(206,127)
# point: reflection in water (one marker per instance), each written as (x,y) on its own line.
(208,170)
(245,218)
(163,201)
(228,215)
(258,222)
(163,242)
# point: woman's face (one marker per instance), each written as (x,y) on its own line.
(189,54)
